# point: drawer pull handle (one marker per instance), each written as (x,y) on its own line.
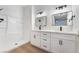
(45,39)
(78,35)
(45,46)
(34,36)
(60,42)
(44,34)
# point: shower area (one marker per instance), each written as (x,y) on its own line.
(12,26)
(3,29)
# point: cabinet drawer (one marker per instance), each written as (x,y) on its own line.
(35,40)
(63,36)
(45,46)
(45,40)
(45,35)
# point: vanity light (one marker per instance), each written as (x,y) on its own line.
(1,19)
(39,12)
(61,7)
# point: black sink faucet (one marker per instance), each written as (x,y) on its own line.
(60,28)
(40,27)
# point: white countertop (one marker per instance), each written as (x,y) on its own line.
(64,32)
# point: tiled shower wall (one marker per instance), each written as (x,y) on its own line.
(12,35)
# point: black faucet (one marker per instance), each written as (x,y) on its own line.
(40,27)
(60,28)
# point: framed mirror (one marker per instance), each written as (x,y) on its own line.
(62,19)
(41,21)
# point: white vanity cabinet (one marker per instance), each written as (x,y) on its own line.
(55,46)
(55,41)
(35,40)
(63,43)
(41,40)
(45,41)
(68,46)
(77,44)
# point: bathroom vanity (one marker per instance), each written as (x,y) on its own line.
(56,33)
(53,41)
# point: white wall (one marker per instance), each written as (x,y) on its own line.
(75,9)
(27,22)
(18,21)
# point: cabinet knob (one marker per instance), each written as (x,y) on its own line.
(44,34)
(45,46)
(34,36)
(45,39)
(60,42)
(78,35)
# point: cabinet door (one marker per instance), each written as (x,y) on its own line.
(36,39)
(77,44)
(68,46)
(55,45)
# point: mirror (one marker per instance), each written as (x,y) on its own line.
(41,21)
(62,19)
